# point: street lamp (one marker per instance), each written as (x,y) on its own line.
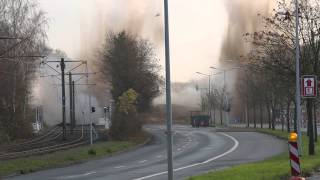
(209,77)
(224,72)
(298,100)
(227,105)
(297,95)
(241,67)
(168,91)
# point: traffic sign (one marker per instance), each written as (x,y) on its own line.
(309,86)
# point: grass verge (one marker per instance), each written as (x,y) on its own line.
(68,157)
(270,169)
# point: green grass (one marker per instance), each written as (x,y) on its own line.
(270,169)
(67,157)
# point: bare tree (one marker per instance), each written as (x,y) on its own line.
(24,27)
(273,55)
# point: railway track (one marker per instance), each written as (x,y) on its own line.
(47,143)
(52,137)
(52,148)
(34,140)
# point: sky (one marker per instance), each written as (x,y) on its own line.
(197,29)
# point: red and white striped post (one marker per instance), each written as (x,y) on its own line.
(294,157)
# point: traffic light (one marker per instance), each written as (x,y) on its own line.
(93,109)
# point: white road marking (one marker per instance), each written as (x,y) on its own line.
(160,156)
(235,146)
(118,167)
(207,148)
(143,161)
(76,176)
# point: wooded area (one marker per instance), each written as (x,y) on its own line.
(23,39)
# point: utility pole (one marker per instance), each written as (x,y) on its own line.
(210,98)
(62,65)
(71,101)
(247,99)
(168,92)
(209,93)
(315,122)
(90,105)
(226,98)
(105,109)
(73,106)
(72,84)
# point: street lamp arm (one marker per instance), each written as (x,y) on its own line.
(203,74)
(217,68)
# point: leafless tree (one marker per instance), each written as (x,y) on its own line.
(23,28)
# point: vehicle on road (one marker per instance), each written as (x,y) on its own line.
(199,119)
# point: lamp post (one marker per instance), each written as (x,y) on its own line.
(225,94)
(210,108)
(168,91)
(209,77)
(298,100)
(297,65)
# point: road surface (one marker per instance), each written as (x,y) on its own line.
(196,150)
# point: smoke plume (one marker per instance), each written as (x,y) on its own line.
(242,18)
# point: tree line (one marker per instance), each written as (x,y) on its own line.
(267,83)
(23,36)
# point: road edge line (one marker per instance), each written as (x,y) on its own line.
(234,147)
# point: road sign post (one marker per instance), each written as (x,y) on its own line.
(309,86)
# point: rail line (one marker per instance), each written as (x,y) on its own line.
(35,140)
(52,148)
(47,143)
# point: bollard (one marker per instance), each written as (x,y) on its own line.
(294,157)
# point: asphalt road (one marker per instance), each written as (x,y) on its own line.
(196,150)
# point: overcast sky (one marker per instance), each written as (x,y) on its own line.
(197,28)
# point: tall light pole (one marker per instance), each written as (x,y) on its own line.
(209,86)
(224,87)
(168,92)
(297,95)
(298,99)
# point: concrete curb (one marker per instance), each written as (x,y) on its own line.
(235,130)
(313,178)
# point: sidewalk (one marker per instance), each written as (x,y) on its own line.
(278,126)
(313,178)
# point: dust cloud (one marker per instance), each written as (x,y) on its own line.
(203,34)
(242,18)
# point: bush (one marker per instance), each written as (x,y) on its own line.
(109,150)
(92,152)
(126,121)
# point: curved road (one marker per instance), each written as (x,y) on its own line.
(196,150)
